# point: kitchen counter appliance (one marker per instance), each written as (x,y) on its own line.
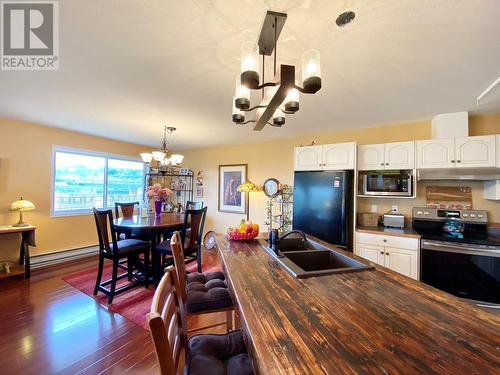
(394,220)
(386,183)
(458,253)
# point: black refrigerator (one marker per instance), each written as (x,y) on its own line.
(323,205)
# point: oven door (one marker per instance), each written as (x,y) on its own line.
(465,271)
(379,184)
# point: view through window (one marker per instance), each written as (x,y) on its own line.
(83,181)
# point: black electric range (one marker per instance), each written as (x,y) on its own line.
(458,253)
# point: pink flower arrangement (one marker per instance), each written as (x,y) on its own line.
(158,193)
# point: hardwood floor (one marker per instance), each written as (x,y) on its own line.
(49,327)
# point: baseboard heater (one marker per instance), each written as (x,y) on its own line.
(44,260)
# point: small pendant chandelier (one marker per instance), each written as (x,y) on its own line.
(281,95)
(161,157)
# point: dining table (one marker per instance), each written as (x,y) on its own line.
(153,226)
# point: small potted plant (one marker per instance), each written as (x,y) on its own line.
(159,195)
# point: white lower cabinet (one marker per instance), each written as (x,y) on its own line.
(400,254)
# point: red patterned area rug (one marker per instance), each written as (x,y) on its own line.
(133,304)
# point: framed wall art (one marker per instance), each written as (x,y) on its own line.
(230,177)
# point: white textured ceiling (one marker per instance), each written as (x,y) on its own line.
(129,67)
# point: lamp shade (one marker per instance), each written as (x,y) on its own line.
(22,205)
(247,187)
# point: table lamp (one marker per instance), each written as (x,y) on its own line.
(21,205)
(247,188)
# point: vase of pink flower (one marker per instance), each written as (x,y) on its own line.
(159,195)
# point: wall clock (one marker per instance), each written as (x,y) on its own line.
(271,187)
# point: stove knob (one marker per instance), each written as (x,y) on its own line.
(426,213)
(419,212)
(472,215)
(465,215)
(480,216)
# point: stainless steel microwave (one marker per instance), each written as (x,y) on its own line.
(386,183)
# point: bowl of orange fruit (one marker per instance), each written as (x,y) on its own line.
(243,232)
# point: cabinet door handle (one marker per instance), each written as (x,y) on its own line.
(384,240)
(453,161)
(386,253)
(382,252)
(382,164)
(386,163)
(459,161)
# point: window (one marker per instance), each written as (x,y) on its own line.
(83,180)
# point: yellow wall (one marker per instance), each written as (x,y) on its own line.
(25,170)
(275,159)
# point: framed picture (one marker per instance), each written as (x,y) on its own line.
(199,192)
(230,177)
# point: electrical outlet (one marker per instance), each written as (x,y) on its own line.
(395,208)
(374,208)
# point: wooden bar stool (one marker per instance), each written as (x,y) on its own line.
(116,250)
(201,293)
(201,354)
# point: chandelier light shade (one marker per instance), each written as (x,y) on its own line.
(176,159)
(292,100)
(250,64)
(311,71)
(278,118)
(281,95)
(160,157)
(242,95)
(238,114)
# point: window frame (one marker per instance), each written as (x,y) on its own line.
(84,152)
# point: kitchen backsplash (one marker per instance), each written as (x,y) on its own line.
(405,205)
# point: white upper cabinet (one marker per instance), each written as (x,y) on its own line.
(309,158)
(436,153)
(472,152)
(371,157)
(338,156)
(400,155)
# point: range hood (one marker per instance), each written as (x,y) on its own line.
(455,125)
(454,174)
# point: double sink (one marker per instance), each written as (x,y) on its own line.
(307,258)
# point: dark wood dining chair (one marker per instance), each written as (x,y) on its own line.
(191,234)
(116,250)
(201,354)
(127,209)
(201,293)
(192,205)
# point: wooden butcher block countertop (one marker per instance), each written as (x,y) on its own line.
(368,322)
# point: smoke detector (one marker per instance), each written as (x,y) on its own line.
(345,18)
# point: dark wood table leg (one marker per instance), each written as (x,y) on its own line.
(155,259)
(25,254)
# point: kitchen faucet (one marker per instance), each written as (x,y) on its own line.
(274,238)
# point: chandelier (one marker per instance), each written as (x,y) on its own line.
(281,95)
(161,157)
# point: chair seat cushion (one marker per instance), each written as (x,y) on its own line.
(164,246)
(207,291)
(135,236)
(218,355)
(130,246)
